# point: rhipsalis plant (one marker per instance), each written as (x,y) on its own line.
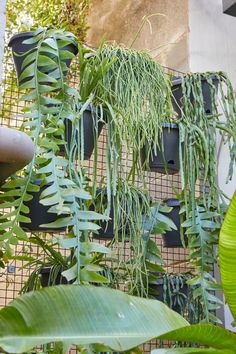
(199,131)
(140,95)
(198,135)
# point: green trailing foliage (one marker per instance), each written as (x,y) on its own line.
(139,93)
(133,112)
(122,322)
(135,220)
(58,265)
(199,170)
(202,230)
(198,132)
(51,101)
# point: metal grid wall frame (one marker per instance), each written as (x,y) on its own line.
(160,186)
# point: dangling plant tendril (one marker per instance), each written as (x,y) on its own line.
(198,167)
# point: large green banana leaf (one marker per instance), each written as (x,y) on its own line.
(227,254)
(83,315)
(204,334)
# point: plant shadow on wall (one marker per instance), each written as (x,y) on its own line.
(122,321)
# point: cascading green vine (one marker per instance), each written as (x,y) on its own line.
(203,233)
(134,96)
(43,77)
(139,93)
(201,195)
(198,133)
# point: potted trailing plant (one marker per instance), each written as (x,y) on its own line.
(199,200)
(170,326)
(24,47)
(66,194)
(137,110)
(172,289)
(164,156)
(50,268)
(207,86)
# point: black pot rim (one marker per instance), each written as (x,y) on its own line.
(45,270)
(172,202)
(178,81)
(170,125)
(160,281)
(18,36)
(27,35)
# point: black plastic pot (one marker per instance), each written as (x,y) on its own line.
(106,231)
(167,162)
(39,214)
(19,48)
(89,116)
(178,95)
(46,278)
(156,290)
(171,239)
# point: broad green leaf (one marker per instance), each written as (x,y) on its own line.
(204,334)
(60,222)
(87,275)
(227,255)
(43,60)
(91,215)
(83,315)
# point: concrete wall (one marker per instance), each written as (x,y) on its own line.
(121,19)
(212,47)
(2,30)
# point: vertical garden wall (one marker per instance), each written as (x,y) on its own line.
(159,185)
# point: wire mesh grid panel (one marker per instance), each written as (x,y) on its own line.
(160,186)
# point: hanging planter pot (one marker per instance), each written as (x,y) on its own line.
(168,160)
(88,125)
(20,50)
(170,291)
(107,228)
(177,99)
(39,214)
(47,277)
(172,239)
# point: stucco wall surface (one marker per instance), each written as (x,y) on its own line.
(121,19)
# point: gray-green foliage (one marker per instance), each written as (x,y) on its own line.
(133,96)
(139,92)
(198,133)
(199,173)
(203,232)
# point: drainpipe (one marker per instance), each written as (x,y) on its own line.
(2,32)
